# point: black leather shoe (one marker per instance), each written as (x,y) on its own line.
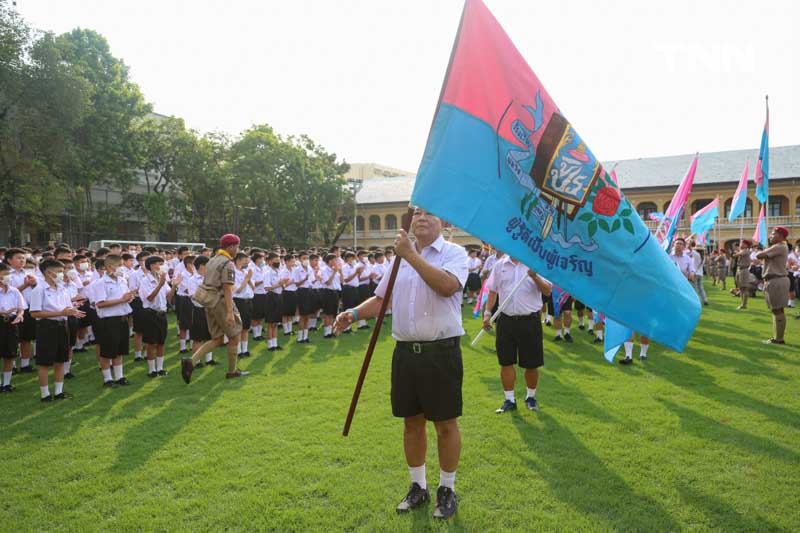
(48,398)
(110,384)
(8,388)
(626,361)
(69,375)
(199,365)
(26,370)
(63,396)
(446,503)
(185,350)
(162,372)
(212,363)
(416,498)
(123,381)
(152,374)
(568,337)
(279,348)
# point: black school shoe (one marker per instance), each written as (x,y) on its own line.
(152,374)
(446,503)
(110,384)
(63,396)
(8,388)
(213,362)
(48,398)
(123,381)
(162,373)
(416,498)
(626,361)
(69,375)
(568,337)
(26,370)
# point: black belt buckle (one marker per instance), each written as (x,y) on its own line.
(416,347)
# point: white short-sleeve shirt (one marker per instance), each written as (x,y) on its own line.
(504,277)
(419,314)
(49,299)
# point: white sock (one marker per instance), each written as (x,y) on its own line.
(296,319)
(130,331)
(418,476)
(209,356)
(138,354)
(510,396)
(159,363)
(90,333)
(628,349)
(183,344)
(560,332)
(328,330)
(285,330)
(362,323)
(566,331)
(59,387)
(244,345)
(580,321)
(312,322)
(643,352)
(45,391)
(225,339)
(289,325)
(25,363)
(118,372)
(599,334)
(447,479)
(6,378)
(151,365)
(591,324)
(270,343)
(186,337)
(78,344)
(106,374)
(531,393)
(548,317)
(67,367)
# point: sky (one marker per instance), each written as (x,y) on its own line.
(362,77)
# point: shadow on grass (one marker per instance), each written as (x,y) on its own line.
(592,488)
(721,515)
(711,429)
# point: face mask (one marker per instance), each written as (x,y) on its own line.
(157,271)
(59,277)
(5,280)
(29,271)
(305,263)
(276,265)
(72,274)
(83,266)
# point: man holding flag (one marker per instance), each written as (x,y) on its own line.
(776,281)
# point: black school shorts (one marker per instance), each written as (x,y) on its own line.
(330,302)
(519,341)
(72,326)
(183,311)
(428,382)
(27,331)
(245,307)
(199,330)
(259,307)
(9,339)
(154,327)
(52,343)
(363,293)
(289,303)
(274,308)
(349,297)
(113,336)
(86,320)
(137,311)
(473,282)
(306,301)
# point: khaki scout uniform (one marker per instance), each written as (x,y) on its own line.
(220,271)
(776,280)
(743,270)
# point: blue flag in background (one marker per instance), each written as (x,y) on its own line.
(616,334)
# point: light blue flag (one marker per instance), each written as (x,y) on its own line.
(503,163)
(615,335)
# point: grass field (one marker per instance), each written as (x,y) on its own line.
(709,439)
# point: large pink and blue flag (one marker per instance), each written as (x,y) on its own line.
(705,218)
(762,166)
(674,211)
(739,202)
(760,234)
(503,163)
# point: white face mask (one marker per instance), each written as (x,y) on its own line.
(72,274)
(305,263)
(5,280)
(157,271)
(83,266)
(29,271)
(59,277)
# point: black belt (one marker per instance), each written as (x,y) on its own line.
(156,311)
(123,318)
(427,346)
(531,316)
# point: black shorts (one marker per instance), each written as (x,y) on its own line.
(245,307)
(363,293)
(52,344)
(94,320)
(27,331)
(137,311)
(9,339)
(567,305)
(330,302)
(259,307)
(519,341)
(274,308)
(72,326)
(183,311)
(793,284)
(350,297)
(306,302)
(473,282)
(86,320)
(427,382)
(113,336)
(548,302)
(372,287)
(154,327)
(199,330)
(579,306)
(289,303)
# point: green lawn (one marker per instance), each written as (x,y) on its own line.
(709,439)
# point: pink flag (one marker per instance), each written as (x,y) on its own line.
(760,234)
(673,213)
(614,176)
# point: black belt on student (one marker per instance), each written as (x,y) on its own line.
(155,311)
(428,346)
(123,318)
(531,316)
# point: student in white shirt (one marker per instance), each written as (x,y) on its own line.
(12,311)
(112,297)
(364,278)
(243,298)
(199,331)
(473,280)
(183,304)
(350,273)
(155,294)
(258,266)
(23,277)
(331,277)
(303,277)
(51,306)
(274,282)
(289,294)
(136,305)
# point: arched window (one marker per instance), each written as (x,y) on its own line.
(645,208)
(775,206)
(683,212)
(374,223)
(391,220)
(697,205)
(359,223)
(748,208)
(797,208)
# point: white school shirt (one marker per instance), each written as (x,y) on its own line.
(289,274)
(419,314)
(259,274)
(335,283)
(183,286)
(347,271)
(474,264)
(316,275)
(108,288)
(147,284)
(45,298)
(302,272)
(684,264)
(195,281)
(11,300)
(490,262)
(238,279)
(380,270)
(271,278)
(504,277)
(17,278)
(697,262)
(363,278)
(134,280)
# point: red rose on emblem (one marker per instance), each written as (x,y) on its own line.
(606,202)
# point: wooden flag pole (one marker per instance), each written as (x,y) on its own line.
(375,332)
